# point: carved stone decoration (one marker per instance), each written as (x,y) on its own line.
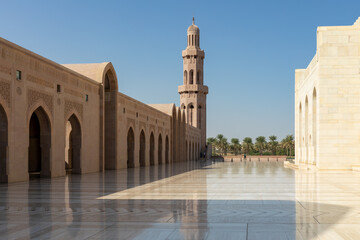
(5,92)
(18,90)
(35,96)
(70,106)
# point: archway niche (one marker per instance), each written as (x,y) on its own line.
(73,145)
(300,140)
(314,123)
(142,149)
(130,148)
(185,77)
(167,149)
(160,150)
(3,145)
(110,119)
(152,149)
(306,130)
(39,157)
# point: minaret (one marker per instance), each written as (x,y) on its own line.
(193,91)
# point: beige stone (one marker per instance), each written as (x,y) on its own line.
(327,101)
(73,117)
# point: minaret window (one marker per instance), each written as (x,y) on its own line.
(191,77)
(185,77)
(191,114)
(198,77)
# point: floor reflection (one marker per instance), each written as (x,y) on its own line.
(196,200)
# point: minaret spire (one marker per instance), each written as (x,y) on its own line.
(193,21)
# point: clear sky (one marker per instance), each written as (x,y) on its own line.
(252,49)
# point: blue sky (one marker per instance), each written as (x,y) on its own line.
(252,49)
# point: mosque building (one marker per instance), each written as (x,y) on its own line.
(327,102)
(71,118)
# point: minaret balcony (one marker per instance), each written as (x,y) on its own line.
(193,88)
(193,52)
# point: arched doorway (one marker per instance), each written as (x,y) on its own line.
(160,150)
(3,145)
(306,130)
(73,145)
(152,149)
(142,149)
(110,119)
(130,149)
(39,144)
(314,123)
(167,149)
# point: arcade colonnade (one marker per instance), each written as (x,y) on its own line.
(57,119)
(327,102)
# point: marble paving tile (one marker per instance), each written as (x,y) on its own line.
(198,200)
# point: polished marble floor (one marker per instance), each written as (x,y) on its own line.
(201,200)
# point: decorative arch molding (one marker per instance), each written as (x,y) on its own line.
(71,107)
(5,93)
(34,107)
(35,98)
(108,68)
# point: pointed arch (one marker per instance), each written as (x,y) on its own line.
(3,145)
(39,151)
(191,77)
(185,77)
(314,123)
(73,144)
(152,149)
(167,147)
(306,129)
(130,148)
(160,149)
(142,149)
(110,116)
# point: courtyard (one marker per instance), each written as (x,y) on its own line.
(194,200)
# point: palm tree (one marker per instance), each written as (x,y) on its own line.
(273,144)
(247,144)
(211,141)
(221,143)
(288,143)
(260,144)
(235,145)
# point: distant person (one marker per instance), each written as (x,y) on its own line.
(244,155)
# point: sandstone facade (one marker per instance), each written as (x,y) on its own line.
(327,101)
(72,118)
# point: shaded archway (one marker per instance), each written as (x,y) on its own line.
(142,149)
(300,139)
(185,77)
(73,145)
(306,130)
(3,145)
(39,158)
(160,150)
(187,150)
(167,149)
(191,77)
(152,149)
(130,148)
(110,87)
(314,123)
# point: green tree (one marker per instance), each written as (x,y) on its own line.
(288,144)
(260,144)
(235,146)
(211,141)
(273,144)
(247,145)
(221,143)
